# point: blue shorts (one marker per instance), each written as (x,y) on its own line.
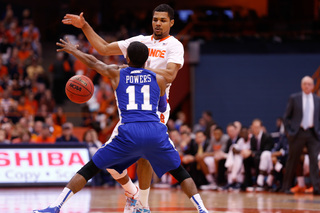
(148,140)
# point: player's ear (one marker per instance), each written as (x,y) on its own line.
(171,22)
(128,59)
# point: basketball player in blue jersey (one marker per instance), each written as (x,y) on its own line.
(165,58)
(139,94)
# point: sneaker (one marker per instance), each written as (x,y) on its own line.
(236,187)
(132,201)
(142,209)
(309,190)
(298,189)
(48,210)
(227,187)
(250,189)
(259,189)
(203,211)
(211,186)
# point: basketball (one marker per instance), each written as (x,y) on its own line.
(79,89)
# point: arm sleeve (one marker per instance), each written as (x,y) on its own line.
(162,106)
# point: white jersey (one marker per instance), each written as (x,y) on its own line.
(161,52)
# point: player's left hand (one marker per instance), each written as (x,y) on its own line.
(66,46)
(75,20)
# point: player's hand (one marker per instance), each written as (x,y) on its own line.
(75,20)
(123,66)
(66,46)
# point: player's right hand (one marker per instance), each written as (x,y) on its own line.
(75,20)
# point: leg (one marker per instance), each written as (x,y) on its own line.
(144,171)
(295,149)
(131,191)
(248,164)
(265,167)
(77,182)
(313,152)
(189,188)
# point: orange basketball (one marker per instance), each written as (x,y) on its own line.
(79,89)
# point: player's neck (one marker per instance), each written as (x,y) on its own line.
(155,37)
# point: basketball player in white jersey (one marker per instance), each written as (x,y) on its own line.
(165,58)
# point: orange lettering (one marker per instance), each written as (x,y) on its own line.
(162,54)
(162,118)
(152,52)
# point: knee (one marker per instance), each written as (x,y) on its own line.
(89,170)
(116,175)
(180,174)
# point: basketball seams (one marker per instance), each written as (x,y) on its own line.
(71,80)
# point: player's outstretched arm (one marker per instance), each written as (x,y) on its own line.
(103,47)
(111,71)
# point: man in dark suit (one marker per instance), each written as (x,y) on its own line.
(196,148)
(260,141)
(301,121)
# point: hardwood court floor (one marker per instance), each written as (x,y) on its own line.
(112,200)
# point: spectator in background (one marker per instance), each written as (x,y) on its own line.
(233,134)
(181,119)
(234,161)
(45,136)
(171,124)
(35,70)
(3,70)
(195,149)
(200,126)
(3,137)
(32,104)
(210,159)
(175,137)
(36,129)
(260,141)
(67,134)
(23,138)
(301,121)
(55,129)
(91,139)
(59,117)
(207,116)
(238,126)
(185,141)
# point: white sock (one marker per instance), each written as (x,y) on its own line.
(300,180)
(144,197)
(270,180)
(197,202)
(209,178)
(260,180)
(130,187)
(65,195)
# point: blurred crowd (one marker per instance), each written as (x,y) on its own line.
(32,95)
(237,158)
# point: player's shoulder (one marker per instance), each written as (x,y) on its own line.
(174,40)
(174,43)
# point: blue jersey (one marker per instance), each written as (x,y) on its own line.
(137,95)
